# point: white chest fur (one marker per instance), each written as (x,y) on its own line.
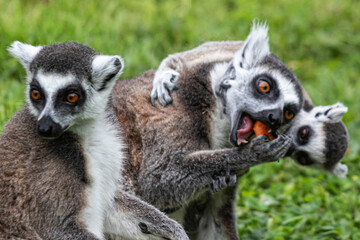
(103,154)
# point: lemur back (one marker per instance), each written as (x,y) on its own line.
(149,130)
(171,161)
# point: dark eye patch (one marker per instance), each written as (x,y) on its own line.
(303,135)
(271,95)
(61,102)
(303,159)
(38,104)
(293,109)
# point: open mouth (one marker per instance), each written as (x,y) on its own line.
(247,128)
(244,129)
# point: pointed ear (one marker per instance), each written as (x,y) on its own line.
(255,48)
(25,53)
(336,112)
(340,170)
(106,69)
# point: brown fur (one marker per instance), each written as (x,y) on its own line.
(31,167)
(145,128)
(171,162)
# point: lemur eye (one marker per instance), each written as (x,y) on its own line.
(304,159)
(289,115)
(264,86)
(72,97)
(303,133)
(35,94)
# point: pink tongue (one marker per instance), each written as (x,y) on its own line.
(245,129)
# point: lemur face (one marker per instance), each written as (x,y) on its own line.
(320,138)
(67,83)
(258,87)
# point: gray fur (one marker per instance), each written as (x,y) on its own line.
(64,58)
(270,62)
(173,176)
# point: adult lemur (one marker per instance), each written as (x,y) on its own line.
(61,155)
(319,137)
(174,152)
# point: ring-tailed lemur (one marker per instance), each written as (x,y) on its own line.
(319,137)
(175,153)
(61,155)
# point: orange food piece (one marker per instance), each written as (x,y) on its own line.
(261,129)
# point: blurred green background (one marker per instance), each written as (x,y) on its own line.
(319,40)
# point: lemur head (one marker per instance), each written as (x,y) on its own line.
(320,138)
(258,86)
(66,83)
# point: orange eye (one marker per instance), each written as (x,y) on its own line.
(264,86)
(289,114)
(35,94)
(72,97)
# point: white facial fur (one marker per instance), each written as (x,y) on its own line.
(51,83)
(104,70)
(316,145)
(247,66)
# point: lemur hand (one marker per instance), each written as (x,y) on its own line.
(222,180)
(164,83)
(174,231)
(264,150)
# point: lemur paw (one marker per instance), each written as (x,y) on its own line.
(222,180)
(164,84)
(171,230)
(270,151)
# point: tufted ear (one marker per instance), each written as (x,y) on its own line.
(336,112)
(25,53)
(105,69)
(255,48)
(340,170)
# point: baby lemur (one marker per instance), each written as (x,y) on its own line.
(176,153)
(319,136)
(62,154)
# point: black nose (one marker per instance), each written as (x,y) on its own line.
(48,128)
(274,118)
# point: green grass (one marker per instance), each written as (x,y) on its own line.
(319,40)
